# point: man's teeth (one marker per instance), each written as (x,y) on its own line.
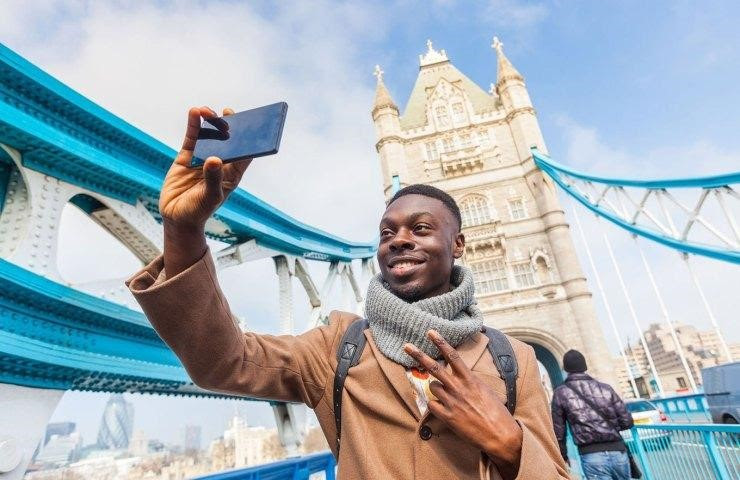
(404,264)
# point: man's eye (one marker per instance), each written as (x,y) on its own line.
(386,232)
(421,227)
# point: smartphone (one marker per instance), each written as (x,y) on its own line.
(249,134)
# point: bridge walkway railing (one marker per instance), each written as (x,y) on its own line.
(663,452)
(690,452)
(298,468)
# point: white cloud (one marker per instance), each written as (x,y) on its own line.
(515,14)
(585,149)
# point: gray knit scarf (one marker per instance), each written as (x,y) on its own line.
(394,322)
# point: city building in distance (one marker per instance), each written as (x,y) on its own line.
(117,423)
(701,348)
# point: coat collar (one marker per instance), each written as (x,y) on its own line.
(470,352)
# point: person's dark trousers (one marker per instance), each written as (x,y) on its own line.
(606,466)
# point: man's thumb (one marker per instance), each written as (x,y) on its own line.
(213,173)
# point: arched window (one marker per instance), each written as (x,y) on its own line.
(449,145)
(458,112)
(475,211)
(443,120)
(523,274)
(490,276)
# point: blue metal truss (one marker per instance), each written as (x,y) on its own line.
(54,336)
(63,134)
(563,175)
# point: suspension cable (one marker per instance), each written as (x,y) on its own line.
(631,309)
(609,314)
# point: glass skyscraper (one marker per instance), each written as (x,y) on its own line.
(117,423)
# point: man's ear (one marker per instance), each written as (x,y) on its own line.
(459,245)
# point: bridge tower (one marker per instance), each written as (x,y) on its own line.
(476,146)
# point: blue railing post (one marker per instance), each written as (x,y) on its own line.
(715,457)
(640,451)
(331,468)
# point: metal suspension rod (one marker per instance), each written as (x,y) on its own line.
(662,305)
(608,308)
(285,294)
(695,279)
(632,310)
(719,193)
(667,317)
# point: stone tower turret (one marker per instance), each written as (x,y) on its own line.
(388,130)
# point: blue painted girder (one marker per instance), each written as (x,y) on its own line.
(63,134)
(53,336)
(556,170)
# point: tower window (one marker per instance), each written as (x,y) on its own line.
(449,145)
(523,274)
(443,120)
(458,112)
(490,276)
(681,382)
(484,140)
(475,211)
(516,208)
(432,153)
(465,141)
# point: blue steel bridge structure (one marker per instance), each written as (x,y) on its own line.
(57,147)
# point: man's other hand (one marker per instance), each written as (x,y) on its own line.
(471,408)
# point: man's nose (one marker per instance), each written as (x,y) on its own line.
(402,241)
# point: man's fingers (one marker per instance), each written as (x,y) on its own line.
(439,410)
(192,131)
(449,353)
(427,362)
(233,173)
(213,174)
(191,136)
(441,394)
(228,111)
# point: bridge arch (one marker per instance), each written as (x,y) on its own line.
(548,349)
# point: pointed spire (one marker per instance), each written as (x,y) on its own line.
(382,96)
(505,69)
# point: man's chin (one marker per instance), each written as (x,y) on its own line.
(409,292)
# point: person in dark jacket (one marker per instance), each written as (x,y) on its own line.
(603,452)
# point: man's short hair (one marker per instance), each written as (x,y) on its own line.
(432,192)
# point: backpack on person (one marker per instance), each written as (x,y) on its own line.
(353,343)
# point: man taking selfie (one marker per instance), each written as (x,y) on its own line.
(424,400)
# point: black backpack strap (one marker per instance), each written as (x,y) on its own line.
(505,361)
(348,355)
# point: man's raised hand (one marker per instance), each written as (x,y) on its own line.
(191,195)
(470,407)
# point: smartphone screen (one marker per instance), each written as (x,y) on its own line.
(248,134)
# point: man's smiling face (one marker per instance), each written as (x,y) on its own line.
(419,241)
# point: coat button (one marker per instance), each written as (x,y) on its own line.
(425,433)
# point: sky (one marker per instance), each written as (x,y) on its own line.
(631,89)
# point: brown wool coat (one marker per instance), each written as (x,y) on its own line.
(380,419)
